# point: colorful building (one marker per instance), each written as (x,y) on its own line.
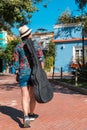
(69,46)
(3,44)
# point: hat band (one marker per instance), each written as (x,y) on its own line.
(24,32)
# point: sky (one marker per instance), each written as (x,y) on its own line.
(47,17)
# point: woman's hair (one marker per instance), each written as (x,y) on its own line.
(23,38)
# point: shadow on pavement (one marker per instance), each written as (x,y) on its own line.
(61,89)
(13,113)
(9,87)
(56,88)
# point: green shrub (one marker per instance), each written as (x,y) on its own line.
(48,63)
(49,56)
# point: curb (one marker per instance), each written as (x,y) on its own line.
(5,74)
(73,87)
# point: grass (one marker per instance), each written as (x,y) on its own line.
(80,83)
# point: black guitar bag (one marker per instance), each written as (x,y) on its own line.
(43,90)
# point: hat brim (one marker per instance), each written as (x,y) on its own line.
(23,35)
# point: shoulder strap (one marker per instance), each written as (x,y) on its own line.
(28,55)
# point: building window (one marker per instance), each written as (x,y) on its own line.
(78,54)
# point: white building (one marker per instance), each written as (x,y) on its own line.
(43,38)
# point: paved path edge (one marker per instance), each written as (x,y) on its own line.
(73,87)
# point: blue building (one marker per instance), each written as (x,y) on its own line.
(68,40)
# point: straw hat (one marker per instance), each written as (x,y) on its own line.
(24,31)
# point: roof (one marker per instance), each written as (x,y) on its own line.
(69,40)
(67,25)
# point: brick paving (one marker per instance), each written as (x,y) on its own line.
(66,111)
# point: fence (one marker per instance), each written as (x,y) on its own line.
(76,77)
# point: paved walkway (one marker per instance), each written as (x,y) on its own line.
(66,111)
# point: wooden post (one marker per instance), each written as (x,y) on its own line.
(53,72)
(61,73)
(76,77)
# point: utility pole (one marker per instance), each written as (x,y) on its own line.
(83,43)
(83,56)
